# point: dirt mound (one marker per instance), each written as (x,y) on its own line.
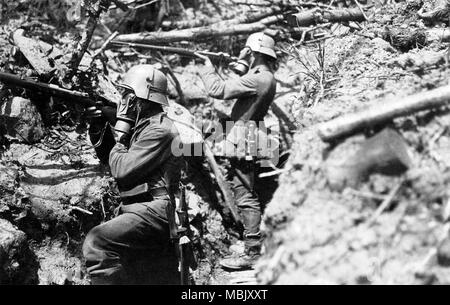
(55,196)
(54,191)
(317,235)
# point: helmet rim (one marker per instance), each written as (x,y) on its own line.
(147,83)
(262,43)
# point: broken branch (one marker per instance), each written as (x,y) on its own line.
(82,210)
(201,33)
(386,203)
(317,15)
(247,18)
(86,37)
(381,113)
(105,45)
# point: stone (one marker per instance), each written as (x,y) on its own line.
(385,153)
(17,262)
(443,254)
(22,120)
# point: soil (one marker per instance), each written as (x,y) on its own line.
(53,192)
(317,235)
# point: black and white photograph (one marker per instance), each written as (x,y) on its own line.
(224,147)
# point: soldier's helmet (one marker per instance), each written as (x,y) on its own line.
(147,83)
(262,43)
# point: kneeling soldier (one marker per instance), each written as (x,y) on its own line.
(147,174)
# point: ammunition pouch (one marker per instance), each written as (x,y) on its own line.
(247,144)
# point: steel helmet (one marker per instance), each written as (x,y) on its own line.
(262,43)
(147,83)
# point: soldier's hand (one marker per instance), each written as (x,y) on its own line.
(208,63)
(224,55)
(93,112)
(110,113)
(96,112)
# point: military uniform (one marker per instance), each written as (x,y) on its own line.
(255,91)
(148,176)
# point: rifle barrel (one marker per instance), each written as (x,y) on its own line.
(50,89)
(180,51)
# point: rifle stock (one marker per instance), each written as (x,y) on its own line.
(187,256)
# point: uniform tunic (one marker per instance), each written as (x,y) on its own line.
(113,250)
(255,91)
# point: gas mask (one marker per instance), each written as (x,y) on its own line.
(126,113)
(244,62)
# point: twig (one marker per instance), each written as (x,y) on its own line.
(103,209)
(68,238)
(137,6)
(320,39)
(274,173)
(105,45)
(422,265)
(386,203)
(367,195)
(431,255)
(361,9)
(144,5)
(107,30)
(82,210)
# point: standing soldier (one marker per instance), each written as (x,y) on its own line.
(147,174)
(254,91)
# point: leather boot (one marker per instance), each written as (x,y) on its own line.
(252,240)
(240,262)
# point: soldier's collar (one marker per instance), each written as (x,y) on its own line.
(159,117)
(260,68)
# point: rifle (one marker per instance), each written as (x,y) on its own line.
(180,51)
(187,256)
(52,90)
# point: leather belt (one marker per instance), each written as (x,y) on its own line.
(150,195)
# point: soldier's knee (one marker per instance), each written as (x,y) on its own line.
(92,242)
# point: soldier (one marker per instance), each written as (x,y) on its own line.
(254,91)
(147,174)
